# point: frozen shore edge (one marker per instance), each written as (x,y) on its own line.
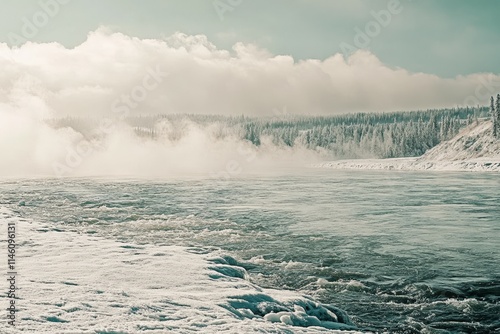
(414,164)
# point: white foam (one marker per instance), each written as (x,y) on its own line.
(76,283)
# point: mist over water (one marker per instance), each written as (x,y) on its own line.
(35,148)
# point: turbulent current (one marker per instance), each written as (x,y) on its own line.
(399,252)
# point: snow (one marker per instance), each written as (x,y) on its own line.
(473,149)
(78,283)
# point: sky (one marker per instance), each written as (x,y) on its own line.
(442,37)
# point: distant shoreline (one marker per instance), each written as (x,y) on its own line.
(414,164)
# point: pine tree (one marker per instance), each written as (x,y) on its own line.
(494,116)
(498,116)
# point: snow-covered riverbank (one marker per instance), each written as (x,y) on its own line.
(473,149)
(414,164)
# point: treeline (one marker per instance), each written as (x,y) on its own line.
(385,135)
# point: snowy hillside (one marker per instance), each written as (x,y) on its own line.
(473,149)
(474,142)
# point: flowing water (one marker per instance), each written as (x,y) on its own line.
(399,252)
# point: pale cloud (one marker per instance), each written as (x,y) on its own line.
(86,80)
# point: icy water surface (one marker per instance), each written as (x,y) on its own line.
(400,252)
